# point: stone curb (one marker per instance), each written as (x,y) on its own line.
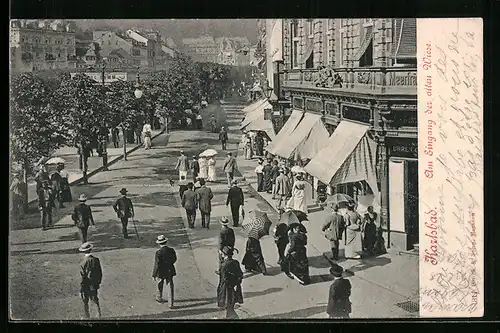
(110,162)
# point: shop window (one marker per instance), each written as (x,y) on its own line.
(310,61)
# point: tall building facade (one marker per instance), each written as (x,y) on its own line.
(42,44)
(361,72)
(201,49)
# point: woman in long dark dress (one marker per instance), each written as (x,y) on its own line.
(64,184)
(229,289)
(253,259)
(298,265)
(268,176)
(369,231)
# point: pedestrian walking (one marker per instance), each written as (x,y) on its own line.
(204,198)
(339,304)
(275,172)
(41,176)
(223,138)
(282,188)
(115,137)
(183,186)
(195,167)
(235,200)
(16,191)
(333,229)
(268,181)
(104,152)
(259,145)
(253,259)
(260,175)
(182,165)
(138,135)
(124,210)
(296,258)
(82,216)
(248,147)
(190,203)
(164,269)
(203,163)
(229,289)
(369,231)
(199,122)
(280,234)
(147,132)
(226,238)
(46,198)
(353,244)
(229,168)
(212,176)
(298,199)
(91,278)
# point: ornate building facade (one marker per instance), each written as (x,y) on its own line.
(363,71)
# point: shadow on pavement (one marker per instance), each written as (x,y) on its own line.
(171,314)
(246,295)
(302,313)
(320,278)
(368,263)
(319,262)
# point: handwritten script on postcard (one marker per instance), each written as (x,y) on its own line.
(450,140)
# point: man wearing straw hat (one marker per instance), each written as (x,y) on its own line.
(339,305)
(124,210)
(164,269)
(91,274)
(226,238)
(82,216)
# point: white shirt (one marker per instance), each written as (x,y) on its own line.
(146,128)
(259,168)
(64,174)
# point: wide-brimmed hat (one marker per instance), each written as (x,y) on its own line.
(227,250)
(234,182)
(123,191)
(336,271)
(85,247)
(224,220)
(161,239)
(82,197)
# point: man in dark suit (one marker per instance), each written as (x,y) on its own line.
(226,238)
(223,138)
(282,189)
(164,269)
(195,168)
(190,204)
(46,199)
(235,199)
(339,305)
(275,172)
(91,275)
(82,216)
(183,186)
(229,168)
(333,228)
(204,198)
(124,210)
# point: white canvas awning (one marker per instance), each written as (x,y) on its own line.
(305,140)
(285,131)
(253,106)
(348,156)
(261,124)
(255,114)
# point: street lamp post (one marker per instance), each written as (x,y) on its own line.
(138,95)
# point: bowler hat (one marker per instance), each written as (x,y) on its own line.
(161,239)
(85,247)
(224,220)
(234,182)
(123,191)
(82,197)
(336,270)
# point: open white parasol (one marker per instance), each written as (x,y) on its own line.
(55,160)
(209,153)
(297,169)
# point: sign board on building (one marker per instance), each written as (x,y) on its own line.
(403,147)
(356,113)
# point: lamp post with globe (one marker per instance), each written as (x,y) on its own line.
(138,94)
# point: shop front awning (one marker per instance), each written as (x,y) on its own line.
(348,156)
(305,140)
(261,124)
(253,106)
(255,113)
(283,134)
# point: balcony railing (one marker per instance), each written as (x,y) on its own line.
(381,80)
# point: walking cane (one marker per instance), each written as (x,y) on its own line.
(135,227)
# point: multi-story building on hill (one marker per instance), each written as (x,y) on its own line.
(41,44)
(201,49)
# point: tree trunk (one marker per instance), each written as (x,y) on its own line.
(25,181)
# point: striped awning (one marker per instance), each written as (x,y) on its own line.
(348,156)
(283,134)
(405,38)
(296,146)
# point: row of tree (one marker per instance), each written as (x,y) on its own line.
(47,113)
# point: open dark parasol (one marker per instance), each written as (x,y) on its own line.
(293,216)
(256,224)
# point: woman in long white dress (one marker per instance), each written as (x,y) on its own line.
(298,195)
(211,170)
(353,244)
(203,167)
